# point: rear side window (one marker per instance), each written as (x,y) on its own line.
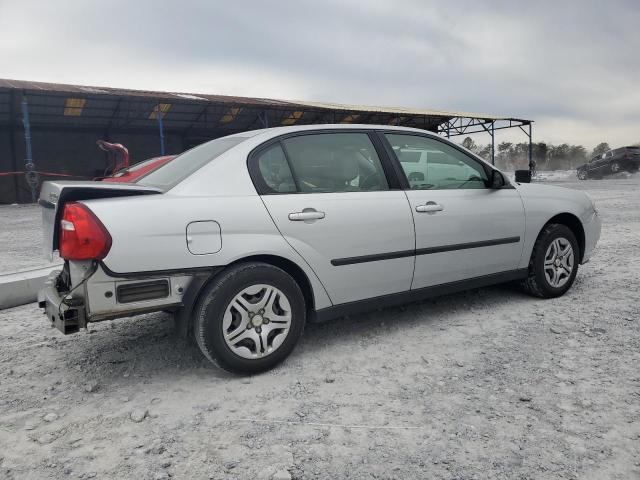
(275,170)
(322,163)
(172,173)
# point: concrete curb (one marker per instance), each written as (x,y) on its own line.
(21,288)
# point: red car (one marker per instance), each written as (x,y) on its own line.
(119,160)
(134,172)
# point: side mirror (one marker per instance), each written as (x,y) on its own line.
(497,180)
(523,176)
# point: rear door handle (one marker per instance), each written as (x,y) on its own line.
(306,215)
(429,207)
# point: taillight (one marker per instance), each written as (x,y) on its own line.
(82,235)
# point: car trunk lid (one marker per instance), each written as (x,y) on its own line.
(54,195)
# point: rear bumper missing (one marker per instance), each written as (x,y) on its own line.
(102,297)
(66,313)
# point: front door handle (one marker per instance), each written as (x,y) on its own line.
(305,215)
(429,207)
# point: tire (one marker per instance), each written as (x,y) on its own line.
(615,167)
(582,175)
(538,282)
(232,303)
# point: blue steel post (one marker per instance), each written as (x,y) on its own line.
(30,173)
(160,128)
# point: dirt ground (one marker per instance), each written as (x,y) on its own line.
(486,384)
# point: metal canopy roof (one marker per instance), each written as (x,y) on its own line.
(58,106)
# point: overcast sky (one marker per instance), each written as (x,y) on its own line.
(572,66)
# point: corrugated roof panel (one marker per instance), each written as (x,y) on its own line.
(160,109)
(293,118)
(73,107)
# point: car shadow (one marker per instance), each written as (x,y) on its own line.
(146,346)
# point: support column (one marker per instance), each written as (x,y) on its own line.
(493,142)
(13,130)
(30,173)
(530,147)
(160,129)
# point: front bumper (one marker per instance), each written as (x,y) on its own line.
(592,228)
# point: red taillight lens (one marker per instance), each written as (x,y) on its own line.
(82,235)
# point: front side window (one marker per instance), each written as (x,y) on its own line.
(322,163)
(431,164)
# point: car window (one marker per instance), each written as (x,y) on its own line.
(334,162)
(170,174)
(275,170)
(431,164)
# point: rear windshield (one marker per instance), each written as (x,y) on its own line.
(173,172)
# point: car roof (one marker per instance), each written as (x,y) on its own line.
(275,131)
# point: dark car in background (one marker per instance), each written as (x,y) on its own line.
(614,161)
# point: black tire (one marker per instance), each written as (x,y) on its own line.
(615,167)
(583,175)
(536,283)
(214,300)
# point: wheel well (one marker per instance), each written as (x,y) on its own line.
(183,317)
(574,224)
(292,269)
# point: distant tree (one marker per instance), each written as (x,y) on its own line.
(600,149)
(540,154)
(485,152)
(469,144)
(504,147)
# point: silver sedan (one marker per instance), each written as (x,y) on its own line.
(247,237)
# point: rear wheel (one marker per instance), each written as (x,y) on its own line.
(250,318)
(554,262)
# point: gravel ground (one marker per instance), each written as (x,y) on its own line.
(486,384)
(21,239)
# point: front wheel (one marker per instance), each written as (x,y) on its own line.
(554,262)
(582,175)
(250,318)
(615,167)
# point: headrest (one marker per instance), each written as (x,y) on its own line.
(337,165)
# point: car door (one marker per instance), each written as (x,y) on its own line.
(333,201)
(463,228)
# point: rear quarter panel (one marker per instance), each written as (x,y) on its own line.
(149,233)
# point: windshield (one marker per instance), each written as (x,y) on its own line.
(173,172)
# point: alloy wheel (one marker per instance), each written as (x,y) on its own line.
(559,262)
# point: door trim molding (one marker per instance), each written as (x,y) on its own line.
(401,298)
(337,262)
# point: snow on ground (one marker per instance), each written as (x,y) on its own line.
(489,383)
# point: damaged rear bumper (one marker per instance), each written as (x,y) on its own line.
(102,297)
(66,314)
